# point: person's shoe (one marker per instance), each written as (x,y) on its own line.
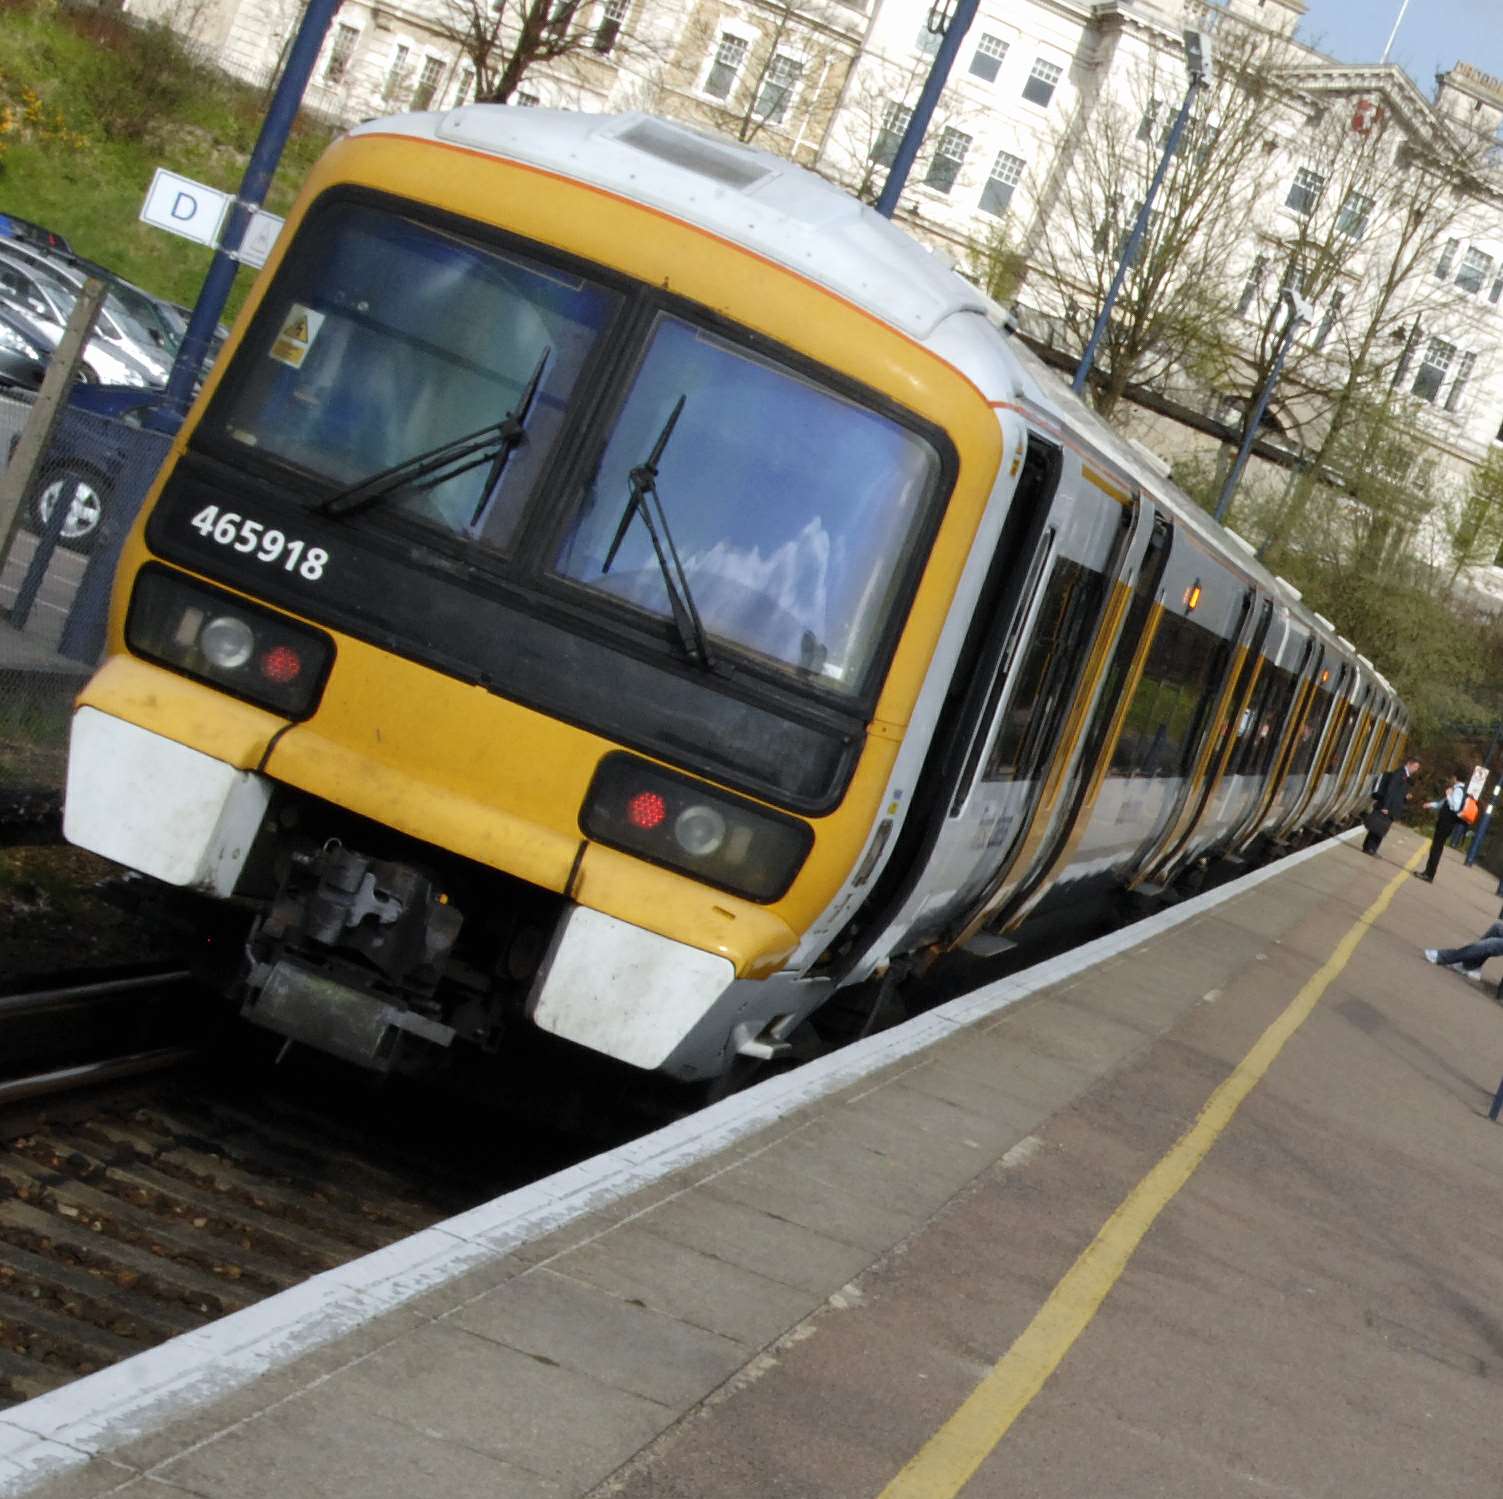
(1432,955)
(1475,974)
(1429,879)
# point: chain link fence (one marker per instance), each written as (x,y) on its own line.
(77,504)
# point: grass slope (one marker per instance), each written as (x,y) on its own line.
(91,105)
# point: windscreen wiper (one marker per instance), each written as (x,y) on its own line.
(642,499)
(492,443)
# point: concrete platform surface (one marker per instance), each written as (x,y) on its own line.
(1210,1211)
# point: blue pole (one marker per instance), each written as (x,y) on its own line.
(1232,479)
(923,111)
(215,292)
(1135,240)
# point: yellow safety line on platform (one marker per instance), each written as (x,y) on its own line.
(945,1463)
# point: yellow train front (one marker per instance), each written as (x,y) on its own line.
(529,621)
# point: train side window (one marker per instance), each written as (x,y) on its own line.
(1158,734)
(1310,731)
(1260,741)
(1061,636)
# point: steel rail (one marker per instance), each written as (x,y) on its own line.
(35,1000)
(66,1079)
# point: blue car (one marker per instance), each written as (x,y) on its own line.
(90,446)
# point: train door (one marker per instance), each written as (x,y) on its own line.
(1070,793)
(1204,815)
(1312,736)
(1019,697)
(1280,730)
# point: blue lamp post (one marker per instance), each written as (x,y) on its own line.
(1301,310)
(1198,64)
(954,28)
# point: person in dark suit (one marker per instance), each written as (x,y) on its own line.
(1388,801)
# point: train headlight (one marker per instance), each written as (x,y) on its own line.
(700,831)
(227,642)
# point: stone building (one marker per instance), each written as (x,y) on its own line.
(1345,183)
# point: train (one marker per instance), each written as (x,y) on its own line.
(616,587)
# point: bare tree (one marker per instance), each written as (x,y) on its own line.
(1374,208)
(1173,308)
(505,40)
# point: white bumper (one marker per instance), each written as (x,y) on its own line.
(157,806)
(623,991)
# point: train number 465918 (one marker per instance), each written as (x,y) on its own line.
(259,542)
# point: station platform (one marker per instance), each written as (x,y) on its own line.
(1208,1208)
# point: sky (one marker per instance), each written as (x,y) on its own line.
(1435,34)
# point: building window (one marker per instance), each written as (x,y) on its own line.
(1475,270)
(527,101)
(1007,172)
(1253,286)
(396,78)
(1305,193)
(1464,367)
(1148,122)
(433,70)
(1354,215)
(340,53)
(948,157)
(1433,368)
(610,26)
(729,56)
(928,41)
(987,61)
(1447,259)
(1040,86)
(895,120)
(1497,290)
(1328,321)
(466,90)
(777,88)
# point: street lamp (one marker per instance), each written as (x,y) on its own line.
(952,27)
(1301,310)
(1198,65)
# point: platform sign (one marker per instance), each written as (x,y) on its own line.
(182,206)
(260,238)
(1478,780)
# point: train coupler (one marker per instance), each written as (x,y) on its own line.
(331,1016)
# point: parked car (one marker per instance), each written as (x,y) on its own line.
(89,449)
(24,350)
(28,233)
(116,352)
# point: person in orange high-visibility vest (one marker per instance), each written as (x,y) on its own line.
(1447,814)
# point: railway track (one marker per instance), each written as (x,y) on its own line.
(148,1190)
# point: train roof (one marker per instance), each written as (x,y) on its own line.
(745,195)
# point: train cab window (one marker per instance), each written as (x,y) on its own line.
(1159,733)
(1041,693)
(794,511)
(396,338)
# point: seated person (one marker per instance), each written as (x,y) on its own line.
(1469,959)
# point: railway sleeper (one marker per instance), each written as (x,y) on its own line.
(256,1246)
(37,1333)
(115,1217)
(29,1283)
(112,1294)
(207,1173)
(264,1142)
(147,1272)
(22,1379)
